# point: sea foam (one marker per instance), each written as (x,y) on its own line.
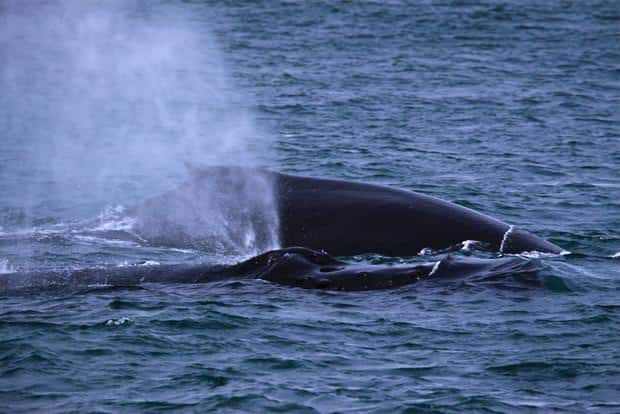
(5,268)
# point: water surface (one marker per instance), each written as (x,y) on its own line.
(508,109)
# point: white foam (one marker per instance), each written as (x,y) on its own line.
(111,224)
(113,219)
(187,251)
(615,255)
(5,268)
(534,254)
(114,242)
(145,263)
(505,238)
(117,322)
(467,244)
(427,251)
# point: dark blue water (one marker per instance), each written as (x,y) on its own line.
(512,110)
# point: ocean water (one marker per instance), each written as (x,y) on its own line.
(510,109)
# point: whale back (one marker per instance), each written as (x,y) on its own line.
(343,218)
(348,218)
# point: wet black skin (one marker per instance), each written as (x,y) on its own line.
(296,267)
(347,218)
(328,218)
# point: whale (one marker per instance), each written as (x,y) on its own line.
(348,218)
(340,217)
(318,220)
(292,267)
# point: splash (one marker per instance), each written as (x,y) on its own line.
(542,255)
(118,322)
(221,210)
(114,219)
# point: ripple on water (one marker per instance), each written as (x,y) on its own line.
(504,108)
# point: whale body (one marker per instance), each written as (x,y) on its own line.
(295,267)
(317,219)
(345,218)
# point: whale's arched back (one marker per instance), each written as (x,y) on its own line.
(348,218)
(340,217)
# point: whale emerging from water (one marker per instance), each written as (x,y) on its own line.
(345,218)
(326,218)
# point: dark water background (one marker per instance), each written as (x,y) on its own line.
(512,110)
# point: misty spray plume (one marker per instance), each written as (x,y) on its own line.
(105,101)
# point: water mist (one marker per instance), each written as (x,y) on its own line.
(106,102)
